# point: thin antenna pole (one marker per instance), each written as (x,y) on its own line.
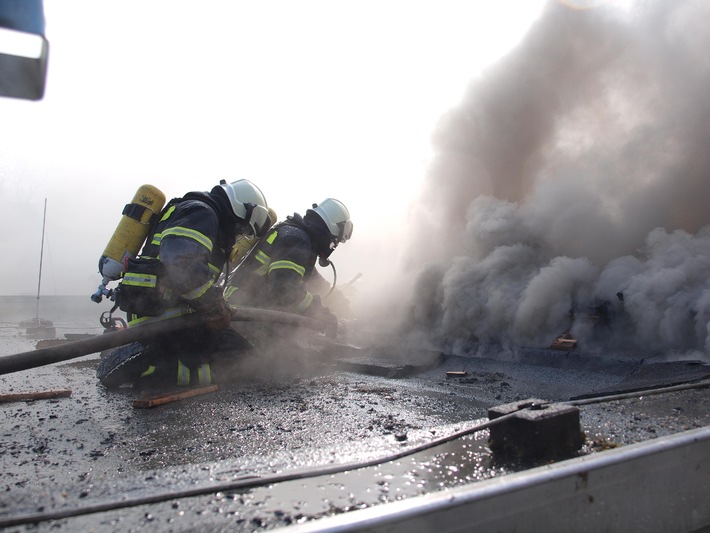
(41,255)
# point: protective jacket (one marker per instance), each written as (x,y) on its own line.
(191,240)
(175,274)
(278,269)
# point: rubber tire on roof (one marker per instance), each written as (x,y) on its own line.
(121,366)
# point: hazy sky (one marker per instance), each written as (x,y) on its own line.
(308,99)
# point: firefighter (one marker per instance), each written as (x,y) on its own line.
(176,274)
(277,272)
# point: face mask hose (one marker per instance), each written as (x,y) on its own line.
(324,262)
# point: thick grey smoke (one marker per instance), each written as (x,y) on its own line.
(575,177)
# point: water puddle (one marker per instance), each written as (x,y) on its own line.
(463,461)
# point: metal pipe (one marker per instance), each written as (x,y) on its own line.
(41,256)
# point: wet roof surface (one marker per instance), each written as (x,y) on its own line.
(259,454)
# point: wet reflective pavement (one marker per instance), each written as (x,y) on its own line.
(284,449)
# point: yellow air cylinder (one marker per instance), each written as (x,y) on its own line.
(245,243)
(242,247)
(131,231)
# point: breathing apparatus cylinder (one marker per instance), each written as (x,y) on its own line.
(130,234)
(242,247)
(245,243)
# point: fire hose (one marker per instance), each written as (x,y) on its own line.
(144,332)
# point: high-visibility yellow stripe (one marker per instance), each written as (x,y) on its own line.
(157,237)
(202,289)
(140,280)
(265,261)
(271,238)
(148,371)
(289,265)
(204,374)
(229,291)
(171,312)
(183,374)
(262,258)
(168,213)
(180,231)
(194,294)
(305,303)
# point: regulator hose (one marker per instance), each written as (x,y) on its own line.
(335,279)
(324,263)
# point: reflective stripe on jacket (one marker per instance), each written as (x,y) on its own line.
(186,241)
(276,273)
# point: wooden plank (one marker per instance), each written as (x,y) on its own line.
(154,401)
(35,395)
(564,342)
(564,345)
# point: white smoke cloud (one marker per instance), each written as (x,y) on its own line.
(575,177)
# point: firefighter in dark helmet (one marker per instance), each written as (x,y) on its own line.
(176,274)
(277,271)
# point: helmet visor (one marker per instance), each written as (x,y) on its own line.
(257,217)
(345,230)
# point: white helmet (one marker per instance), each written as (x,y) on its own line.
(337,217)
(248,203)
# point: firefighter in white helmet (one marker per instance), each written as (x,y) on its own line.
(277,272)
(175,274)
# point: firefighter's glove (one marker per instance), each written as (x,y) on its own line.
(219,316)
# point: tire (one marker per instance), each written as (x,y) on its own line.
(121,366)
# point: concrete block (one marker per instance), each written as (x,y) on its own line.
(535,431)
